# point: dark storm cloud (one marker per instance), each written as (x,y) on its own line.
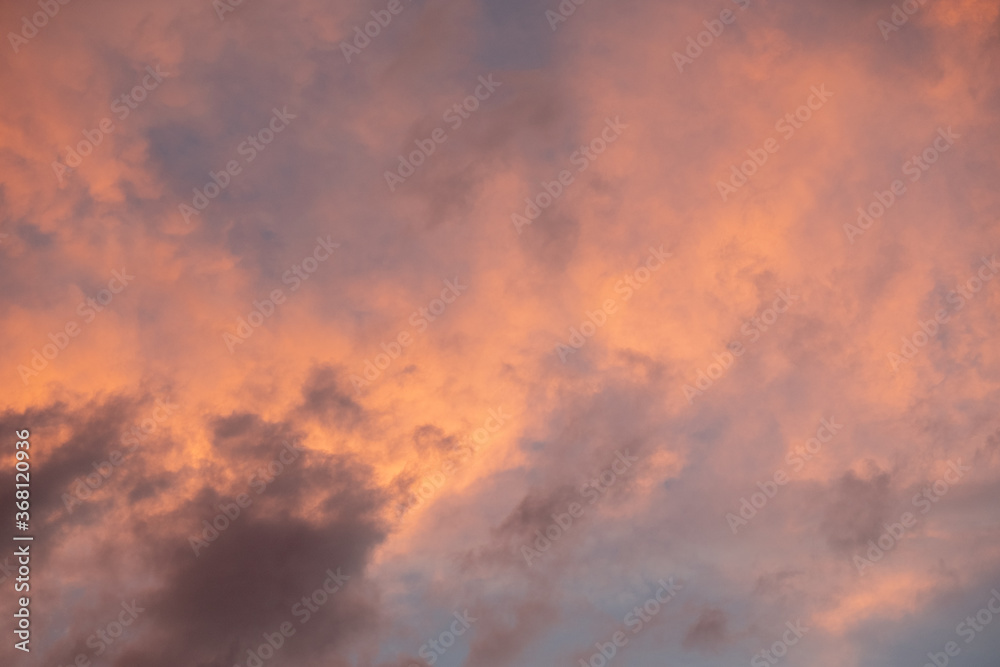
(94,432)
(214,607)
(211,608)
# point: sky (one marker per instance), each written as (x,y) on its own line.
(473,333)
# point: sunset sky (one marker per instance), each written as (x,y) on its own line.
(488,333)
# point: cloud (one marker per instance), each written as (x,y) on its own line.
(332,470)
